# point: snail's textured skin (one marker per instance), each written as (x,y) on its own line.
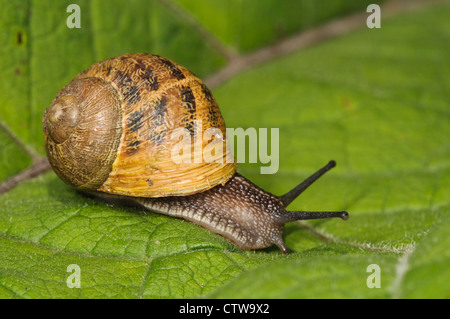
(149,97)
(243,220)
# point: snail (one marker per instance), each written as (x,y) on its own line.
(108,133)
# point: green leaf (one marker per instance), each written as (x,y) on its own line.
(427,268)
(11,165)
(374,100)
(319,276)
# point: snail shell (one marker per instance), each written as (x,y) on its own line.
(110,129)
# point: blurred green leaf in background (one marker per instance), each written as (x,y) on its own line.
(374,100)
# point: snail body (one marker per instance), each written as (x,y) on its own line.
(108,133)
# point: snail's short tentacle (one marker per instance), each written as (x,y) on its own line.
(290,216)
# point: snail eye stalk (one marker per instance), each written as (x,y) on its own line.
(287,198)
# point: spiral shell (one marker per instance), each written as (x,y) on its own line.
(110,129)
